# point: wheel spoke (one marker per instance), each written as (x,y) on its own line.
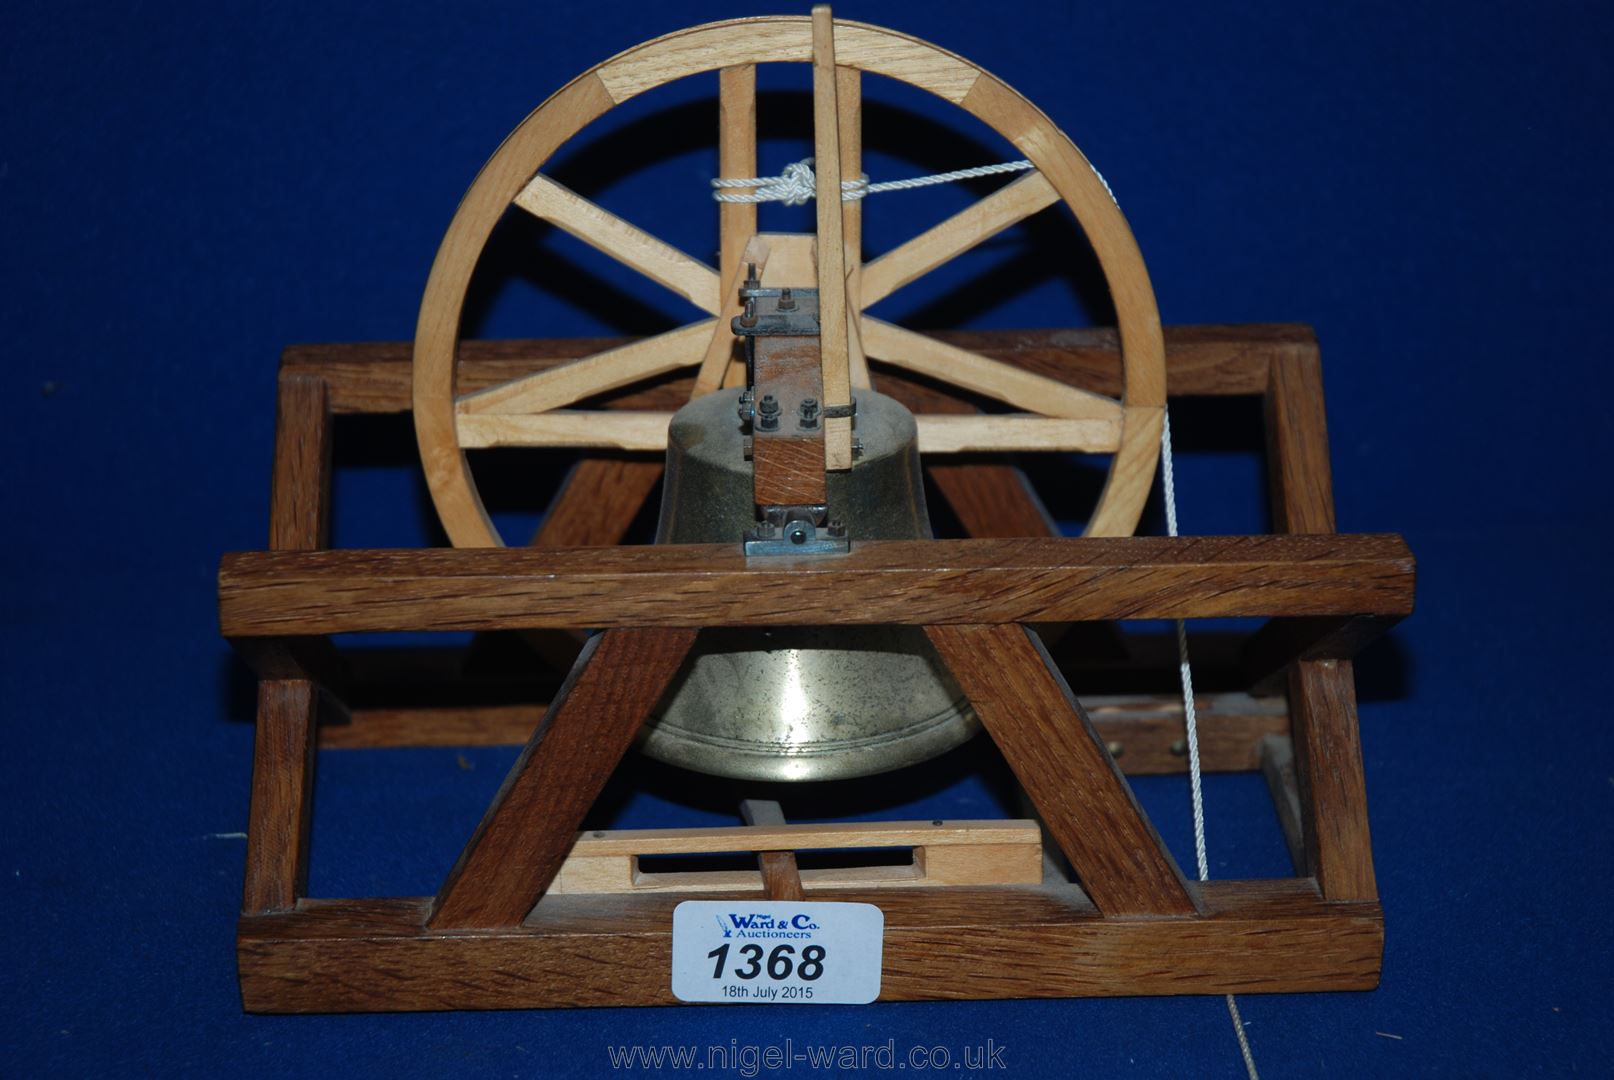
(590,375)
(972,371)
(737,222)
(985,219)
(627,244)
(603,430)
(989,432)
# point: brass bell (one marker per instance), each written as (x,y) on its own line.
(801,702)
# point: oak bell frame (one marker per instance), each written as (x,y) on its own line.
(535,914)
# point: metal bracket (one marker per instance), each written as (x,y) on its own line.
(794,530)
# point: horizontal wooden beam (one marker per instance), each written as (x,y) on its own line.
(1143,731)
(374,377)
(1036,941)
(647,431)
(906,582)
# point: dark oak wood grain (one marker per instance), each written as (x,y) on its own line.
(487,947)
(787,462)
(1146,730)
(1297,445)
(1267,654)
(288,698)
(282,789)
(907,582)
(1328,766)
(1278,769)
(1047,739)
(525,834)
(951,943)
(781,876)
(374,377)
(991,499)
(300,483)
(599,501)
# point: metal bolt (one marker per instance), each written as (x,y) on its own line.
(1115,749)
(1179,748)
(768,413)
(836,528)
(751,281)
(857,447)
(787,302)
(747,406)
(809,412)
(749,316)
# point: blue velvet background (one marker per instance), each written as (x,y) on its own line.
(185,188)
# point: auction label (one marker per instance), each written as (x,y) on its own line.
(787,951)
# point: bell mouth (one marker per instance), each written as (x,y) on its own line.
(809,703)
(824,759)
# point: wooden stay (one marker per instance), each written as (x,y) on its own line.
(535,915)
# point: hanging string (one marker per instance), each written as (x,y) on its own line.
(798,183)
(1191,723)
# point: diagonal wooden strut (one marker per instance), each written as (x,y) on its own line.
(1049,742)
(523,838)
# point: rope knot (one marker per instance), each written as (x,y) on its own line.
(795,186)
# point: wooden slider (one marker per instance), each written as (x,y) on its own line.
(946,853)
(832,316)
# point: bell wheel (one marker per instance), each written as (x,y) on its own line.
(541,409)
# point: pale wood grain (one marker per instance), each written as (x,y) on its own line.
(627,244)
(739,44)
(590,375)
(983,220)
(832,315)
(448,475)
(736,222)
(644,431)
(945,853)
(972,371)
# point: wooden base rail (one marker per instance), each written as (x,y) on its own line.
(940,944)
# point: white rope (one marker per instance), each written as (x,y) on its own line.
(1191,723)
(798,183)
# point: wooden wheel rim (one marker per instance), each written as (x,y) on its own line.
(766,40)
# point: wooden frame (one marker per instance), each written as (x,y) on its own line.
(1129,924)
